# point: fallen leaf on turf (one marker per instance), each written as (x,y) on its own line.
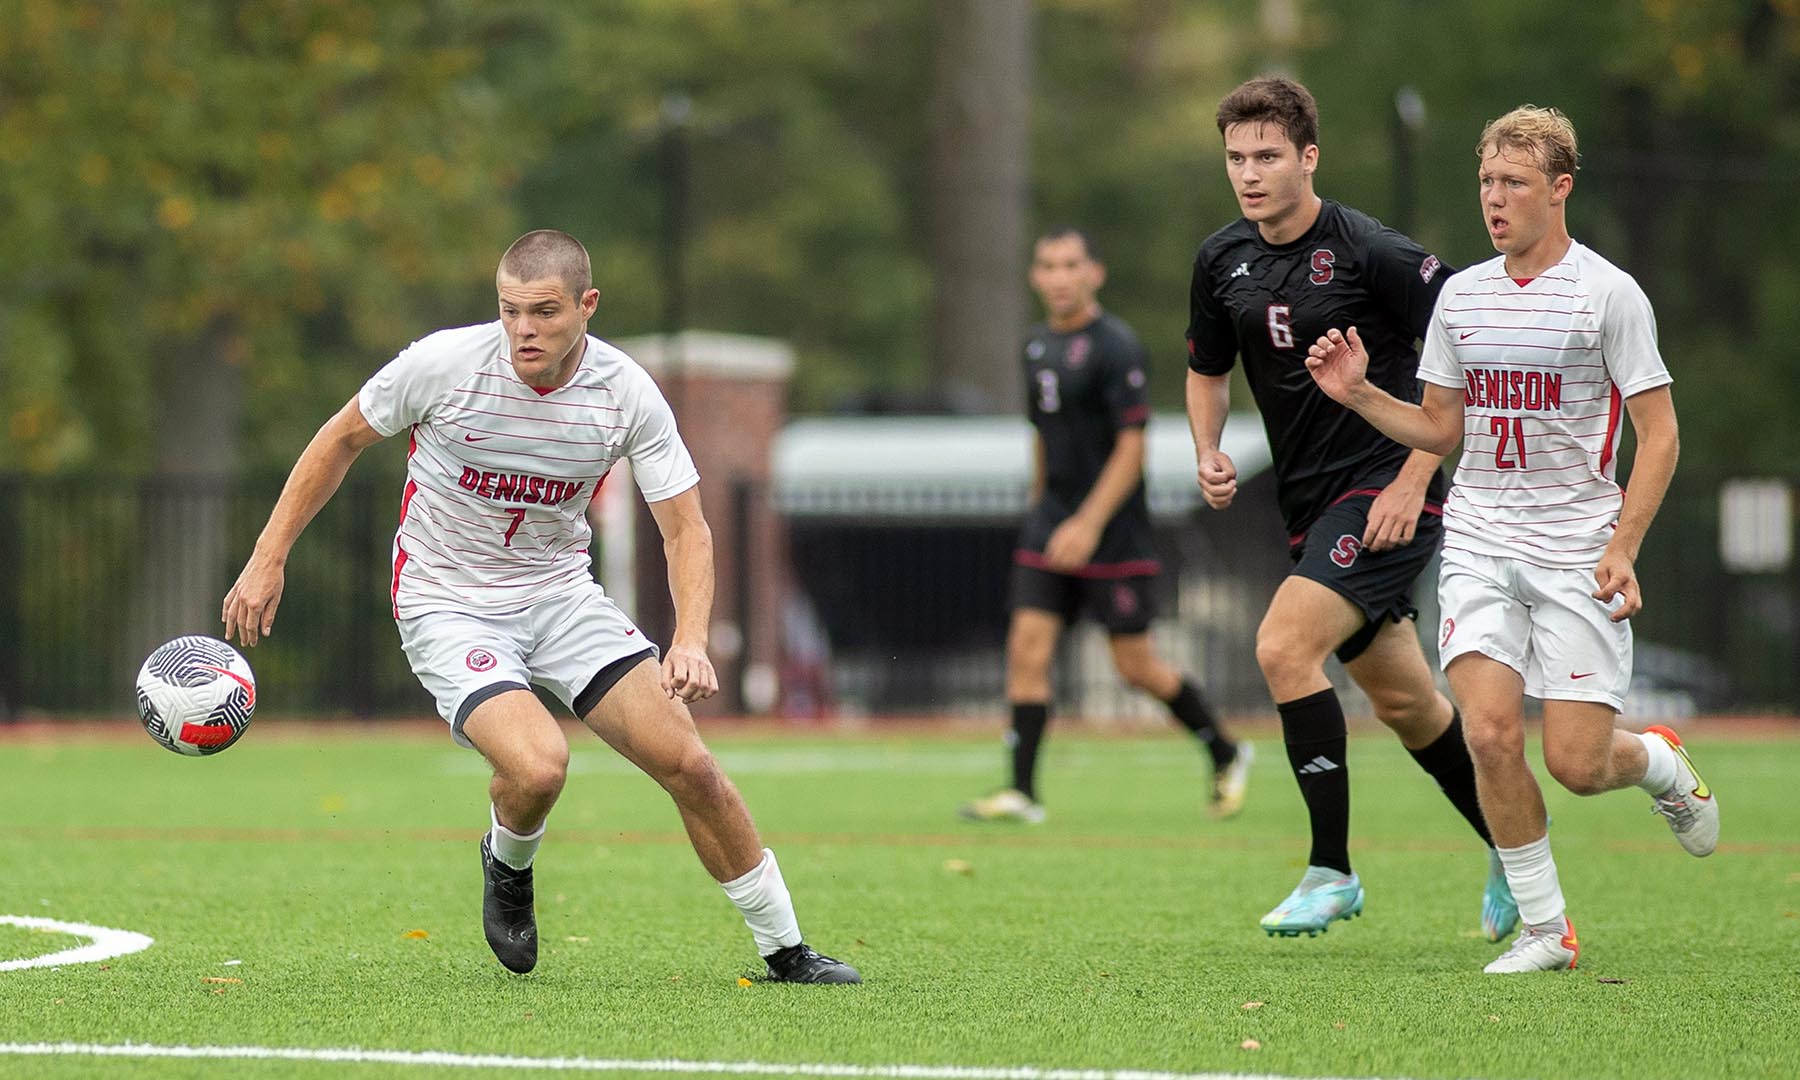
(744,982)
(573,937)
(959,866)
(860,941)
(105,967)
(1339,1025)
(674,978)
(220,990)
(1493,1019)
(1611,981)
(417,935)
(1106,974)
(1251,1005)
(218,979)
(1249,1044)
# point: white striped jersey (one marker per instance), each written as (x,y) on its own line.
(1545,368)
(499,476)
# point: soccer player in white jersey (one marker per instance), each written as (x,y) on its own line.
(512,426)
(1530,361)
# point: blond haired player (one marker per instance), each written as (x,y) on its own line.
(512,426)
(1531,361)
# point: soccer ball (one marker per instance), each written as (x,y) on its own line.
(195,695)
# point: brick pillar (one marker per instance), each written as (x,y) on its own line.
(729,393)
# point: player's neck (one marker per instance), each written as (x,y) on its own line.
(1291,227)
(1539,257)
(1063,324)
(564,371)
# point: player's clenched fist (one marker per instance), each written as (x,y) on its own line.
(1218,478)
(688,675)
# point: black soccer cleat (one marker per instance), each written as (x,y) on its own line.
(506,912)
(800,964)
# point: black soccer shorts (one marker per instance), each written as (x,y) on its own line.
(1124,605)
(1379,583)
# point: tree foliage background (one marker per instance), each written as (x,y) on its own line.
(217,217)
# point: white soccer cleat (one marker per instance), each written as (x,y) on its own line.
(1230,783)
(1008,804)
(1550,947)
(1689,806)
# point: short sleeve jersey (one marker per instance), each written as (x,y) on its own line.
(1082,388)
(1545,368)
(499,476)
(1269,302)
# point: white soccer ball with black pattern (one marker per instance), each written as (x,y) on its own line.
(195,695)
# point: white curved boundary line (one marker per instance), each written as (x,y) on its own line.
(106,944)
(581,1064)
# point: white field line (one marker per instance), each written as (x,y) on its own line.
(106,944)
(581,1064)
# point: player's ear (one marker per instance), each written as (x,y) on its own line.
(590,303)
(1561,186)
(1309,159)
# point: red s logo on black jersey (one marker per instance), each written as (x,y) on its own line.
(1321,266)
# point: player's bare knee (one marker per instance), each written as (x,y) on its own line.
(1399,706)
(1580,774)
(1493,740)
(1283,657)
(694,777)
(539,778)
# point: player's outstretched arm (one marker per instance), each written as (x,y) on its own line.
(687,674)
(1208,402)
(1340,365)
(249,611)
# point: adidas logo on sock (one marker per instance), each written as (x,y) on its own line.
(1318,765)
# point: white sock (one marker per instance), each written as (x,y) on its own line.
(1531,874)
(509,847)
(762,897)
(1660,775)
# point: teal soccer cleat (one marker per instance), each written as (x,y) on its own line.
(1322,897)
(1499,912)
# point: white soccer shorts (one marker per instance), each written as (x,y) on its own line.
(559,644)
(1541,622)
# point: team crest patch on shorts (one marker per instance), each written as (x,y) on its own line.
(1345,551)
(1124,599)
(481,660)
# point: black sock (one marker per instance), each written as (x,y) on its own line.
(1191,712)
(1028,722)
(1448,762)
(1313,727)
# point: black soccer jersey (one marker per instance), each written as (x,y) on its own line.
(1082,389)
(1270,302)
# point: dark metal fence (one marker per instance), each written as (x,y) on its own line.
(882,614)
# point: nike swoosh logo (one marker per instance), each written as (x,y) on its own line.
(249,687)
(1468,335)
(476,438)
(631,631)
(1583,675)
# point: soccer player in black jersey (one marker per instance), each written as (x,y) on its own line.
(1086,542)
(1362,511)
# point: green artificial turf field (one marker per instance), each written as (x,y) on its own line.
(323,891)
